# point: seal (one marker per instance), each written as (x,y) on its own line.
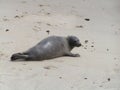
(51,47)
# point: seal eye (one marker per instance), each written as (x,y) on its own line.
(75,41)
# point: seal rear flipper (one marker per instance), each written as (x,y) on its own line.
(18,56)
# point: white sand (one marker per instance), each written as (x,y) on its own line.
(27,21)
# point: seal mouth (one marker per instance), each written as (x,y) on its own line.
(78,45)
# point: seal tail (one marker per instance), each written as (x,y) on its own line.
(18,56)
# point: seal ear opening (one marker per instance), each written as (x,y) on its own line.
(18,56)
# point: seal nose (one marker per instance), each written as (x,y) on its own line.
(79,45)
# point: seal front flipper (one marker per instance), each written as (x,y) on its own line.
(72,55)
(18,56)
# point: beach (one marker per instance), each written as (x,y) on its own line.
(24,23)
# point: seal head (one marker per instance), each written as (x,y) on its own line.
(73,41)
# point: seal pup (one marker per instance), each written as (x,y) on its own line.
(48,48)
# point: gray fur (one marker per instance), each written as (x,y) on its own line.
(51,47)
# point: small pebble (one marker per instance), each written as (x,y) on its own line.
(79,26)
(48,13)
(100,86)
(85,48)
(92,46)
(47,67)
(107,49)
(48,31)
(108,79)
(30,69)
(16,16)
(87,19)
(41,5)
(60,77)
(48,24)
(86,41)
(7,30)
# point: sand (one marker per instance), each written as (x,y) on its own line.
(23,23)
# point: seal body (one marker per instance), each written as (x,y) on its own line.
(51,47)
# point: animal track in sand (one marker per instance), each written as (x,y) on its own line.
(88,46)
